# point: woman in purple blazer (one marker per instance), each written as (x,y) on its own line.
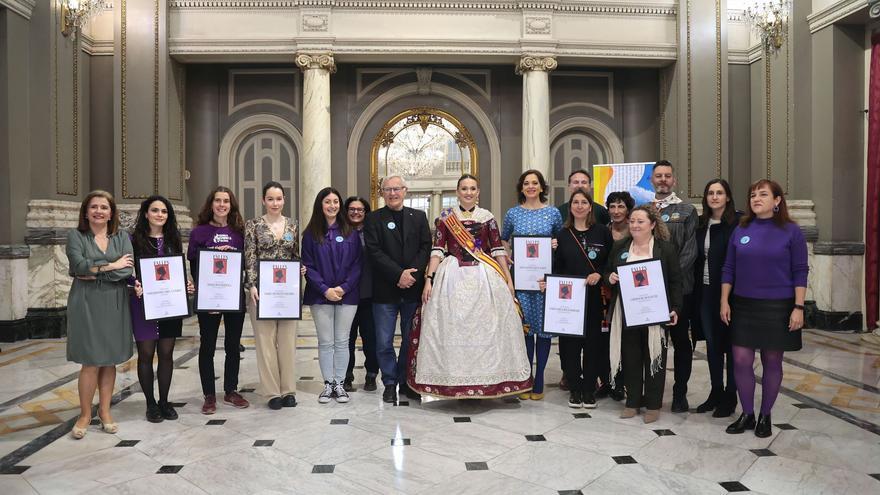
(331,254)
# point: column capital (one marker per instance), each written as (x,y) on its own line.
(325,61)
(532,62)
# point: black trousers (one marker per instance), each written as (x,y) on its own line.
(642,388)
(209,325)
(684,351)
(583,359)
(363,322)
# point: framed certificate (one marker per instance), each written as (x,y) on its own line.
(532,259)
(565,305)
(163,279)
(219,281)
(278,284)
(643,293)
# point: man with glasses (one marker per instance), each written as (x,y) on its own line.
(398,244)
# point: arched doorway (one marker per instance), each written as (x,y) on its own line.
(428,147)
(579,144)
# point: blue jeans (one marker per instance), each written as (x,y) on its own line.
(385,317)
(717,346)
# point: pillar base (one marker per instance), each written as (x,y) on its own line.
(40,323)
(835,321)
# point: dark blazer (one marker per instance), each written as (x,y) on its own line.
(667,253)
(390,253)
(719,237)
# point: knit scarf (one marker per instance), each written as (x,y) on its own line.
(672,199)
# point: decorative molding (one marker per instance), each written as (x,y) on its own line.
(745,57)
(609,76)
(767,110)
(459,74)
(24,8)
(232,107)
(75,125)
(874,8)
(689,81)
(737,16)
(529,63)
(389,73)
(323,61)
(242,130)
(156,97)
(56,31)
(718,90)
(605,8)
(839,248)
(835,12)
(96,48)
(595,128)
(315,22)
(14,251)
(540,25)
(423,76)
(180,87)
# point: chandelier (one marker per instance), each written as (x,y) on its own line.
(76,13)
(769,19)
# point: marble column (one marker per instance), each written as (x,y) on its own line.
(436,203)
(536,111)
(315,164)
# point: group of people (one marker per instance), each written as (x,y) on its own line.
(738,280)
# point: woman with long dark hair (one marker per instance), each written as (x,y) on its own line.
(331,253)
(155,234)
(98,319)
(714,228)
(357,209)
(766,270)
(272,236)
(219,226)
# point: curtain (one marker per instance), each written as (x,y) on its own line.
(872,199)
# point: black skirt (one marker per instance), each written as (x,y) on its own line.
(170,328)
(763,324)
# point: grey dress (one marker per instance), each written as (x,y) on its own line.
(98,318)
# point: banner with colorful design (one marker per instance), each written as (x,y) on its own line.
(634,178)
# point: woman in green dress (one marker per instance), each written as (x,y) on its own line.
(98,319)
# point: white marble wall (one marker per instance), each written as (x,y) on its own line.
(47,279)
(13,274)
(836,282)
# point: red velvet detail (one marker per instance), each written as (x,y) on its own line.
(872,199)
(454,392)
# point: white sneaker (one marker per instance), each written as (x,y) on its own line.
(326,394)
(340,393)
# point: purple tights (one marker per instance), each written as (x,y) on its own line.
(771,361)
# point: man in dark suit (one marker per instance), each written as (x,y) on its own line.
(398,243)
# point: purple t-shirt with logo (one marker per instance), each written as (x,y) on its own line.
(208,236)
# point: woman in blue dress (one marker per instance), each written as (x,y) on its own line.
(533,216)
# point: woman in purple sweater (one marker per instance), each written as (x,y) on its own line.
(331,254)
(220,226)
(767,264)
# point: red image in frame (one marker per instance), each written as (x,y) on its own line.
(161,271)
(220,265)
(532,249)
(640,277)
(279,275)
(565,290)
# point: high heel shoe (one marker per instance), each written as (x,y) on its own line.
(78,433)
(111,428)
(743,423)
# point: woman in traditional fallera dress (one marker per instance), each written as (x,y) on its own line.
(466,341)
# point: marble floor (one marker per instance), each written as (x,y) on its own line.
(826,438)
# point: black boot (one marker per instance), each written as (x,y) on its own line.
(763,428)
(745,422)
(712,402)
(727,405)
(154,415)
(167,411)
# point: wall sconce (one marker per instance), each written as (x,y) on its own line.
(769,19)
(76,13)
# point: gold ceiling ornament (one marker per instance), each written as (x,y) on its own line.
(77,13)
(769,19)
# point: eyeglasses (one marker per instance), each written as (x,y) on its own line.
(392,189)
(357,210)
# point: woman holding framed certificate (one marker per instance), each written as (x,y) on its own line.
(583,251)
(219,227)
(533,217)
(272,236)
(98,319)
(640,351)
(331,253)
(155,234)
(766,270)
(466,341)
